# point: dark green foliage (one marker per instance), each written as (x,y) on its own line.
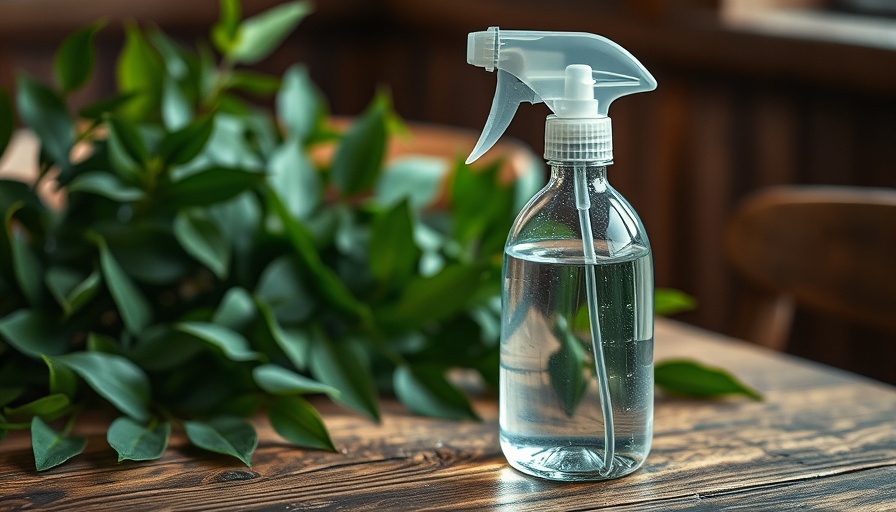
(207,266)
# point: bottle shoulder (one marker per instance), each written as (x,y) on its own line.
(551,218)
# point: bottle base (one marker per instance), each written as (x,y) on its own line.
(570,462)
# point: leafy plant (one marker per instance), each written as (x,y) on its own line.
(205,266)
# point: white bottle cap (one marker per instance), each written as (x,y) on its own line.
(578,139)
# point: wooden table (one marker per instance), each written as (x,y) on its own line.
(822,440)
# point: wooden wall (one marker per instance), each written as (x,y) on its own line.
(734,111)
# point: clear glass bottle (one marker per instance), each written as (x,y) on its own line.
(552,423)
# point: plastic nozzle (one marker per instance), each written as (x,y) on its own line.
(482,49)
(578,93)
(552,67)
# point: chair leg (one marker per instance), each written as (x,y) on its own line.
(765,319)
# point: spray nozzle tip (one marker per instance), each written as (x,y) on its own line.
(482,49)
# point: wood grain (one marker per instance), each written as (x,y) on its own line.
(822,440)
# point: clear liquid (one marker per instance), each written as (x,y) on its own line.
(550,416)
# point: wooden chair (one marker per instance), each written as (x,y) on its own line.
(828,249)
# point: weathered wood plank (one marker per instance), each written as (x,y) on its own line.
(822,438)
(872,490)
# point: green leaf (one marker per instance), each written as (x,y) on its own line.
(50,448)
(134,441)
(133,307)
(99,109)
(259,35)
(113,377)
(231,343)
(344,368)
(298,422)
(299,236)
(240,221)
(257,84)
(173,56)
(236,310)
(105,185)
(127,151)
(488,317)
(12,192)
(182,146)
(224,32)
(206,73)
(669,302)
(278,380)
(393,253)
(224,434)
(293,177)
(99,343)
(42,110)
(689,378)
(430,298)
(567,370)
(481,206)
(7,124)
(352,238)
(123,163)
(202,239)
(229,145)
(419,179)
(33,333)
(207,187)
(62,379)
(27,268)
(359,157)
(140,71)
(73,63)
(8,394)
(293,342)
(426,391)
(235,106)
(177,111)
(160,348)
(282,287)
(45,407)
(298,105)
(327,282)
(146,250)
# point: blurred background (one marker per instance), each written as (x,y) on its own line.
(752,93)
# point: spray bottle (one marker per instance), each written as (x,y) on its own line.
(576,376)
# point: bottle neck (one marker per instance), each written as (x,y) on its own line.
(564,174)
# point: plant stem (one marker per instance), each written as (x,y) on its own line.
(223,76)
(44,169)
(71,421)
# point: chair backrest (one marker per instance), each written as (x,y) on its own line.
(829,249)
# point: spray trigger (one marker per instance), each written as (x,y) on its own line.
(511,91)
